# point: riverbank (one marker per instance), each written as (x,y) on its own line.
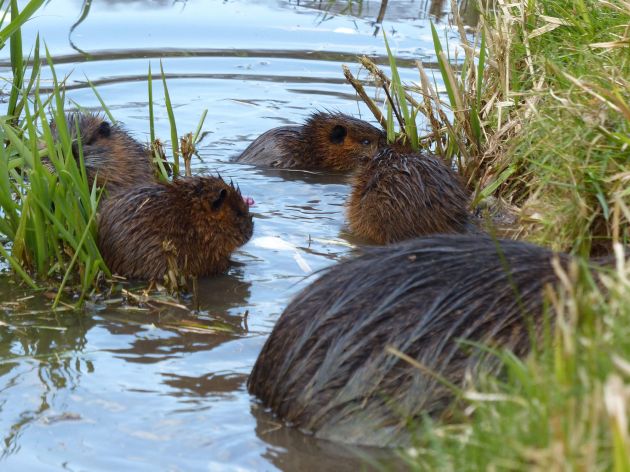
(554,113)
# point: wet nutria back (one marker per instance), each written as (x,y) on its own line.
(332,141)
(400,195)
(201,219)
(109,152)
(325,368)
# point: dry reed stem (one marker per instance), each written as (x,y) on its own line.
(364,96)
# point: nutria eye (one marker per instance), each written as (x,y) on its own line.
(366,142)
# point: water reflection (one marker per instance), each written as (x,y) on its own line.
(289,449)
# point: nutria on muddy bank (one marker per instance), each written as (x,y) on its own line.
(196,221)
(329,141)
(326,369)
(109,152)
(399,195)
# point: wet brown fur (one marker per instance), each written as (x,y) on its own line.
(203,217)
(400,195)
(332,141)
(110,154)
(325,368)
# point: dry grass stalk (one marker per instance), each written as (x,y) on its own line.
(187,148)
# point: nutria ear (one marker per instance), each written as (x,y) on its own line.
(216,204)
(104,129)
(338,134)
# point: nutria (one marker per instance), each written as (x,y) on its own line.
(331,141)
(325,368)
(400,195)
(109,152)
(196,221)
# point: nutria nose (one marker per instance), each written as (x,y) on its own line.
(249,201)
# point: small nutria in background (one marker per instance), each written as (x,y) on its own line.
(331,141)
(400,195)
(108,151)
(202,219)
(326,369)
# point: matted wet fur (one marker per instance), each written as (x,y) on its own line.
(203,218)
(325,368)
(332,141)
(400,195)
(109,152)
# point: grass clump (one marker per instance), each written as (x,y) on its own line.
(571,159)
(565,407)
(48,212)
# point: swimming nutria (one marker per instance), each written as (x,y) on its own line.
(203,219)
(108,151)
(325,368)
(332,141)
(399,195)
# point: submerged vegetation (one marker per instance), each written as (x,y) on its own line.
(536,114)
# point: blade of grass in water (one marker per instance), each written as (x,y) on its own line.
(100,99)
(17,64)
(201,121)
(171,119)
(399,92)
(86,232)
(17,21)
(151,115)
(439,52)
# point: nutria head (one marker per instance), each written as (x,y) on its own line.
(399,195)
(218,211)
(91,127)
(109,152)
(204,219)
(340,142)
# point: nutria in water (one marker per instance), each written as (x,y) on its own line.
(400,195)
(198,221)
(331,141)
(326,369)
(109,152)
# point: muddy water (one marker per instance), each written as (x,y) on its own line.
(114,387)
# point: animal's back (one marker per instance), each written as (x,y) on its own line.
(326,368)
(271,149)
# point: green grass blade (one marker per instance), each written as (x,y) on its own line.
(439,52)
(101,101)
(171,119)
(399,92)
(17,142)
(481,66)
(17,64)
(17,21)
(199,126)
(151,114)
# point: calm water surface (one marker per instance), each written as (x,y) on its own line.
(119,388)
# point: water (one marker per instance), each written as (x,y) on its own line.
(116,387)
